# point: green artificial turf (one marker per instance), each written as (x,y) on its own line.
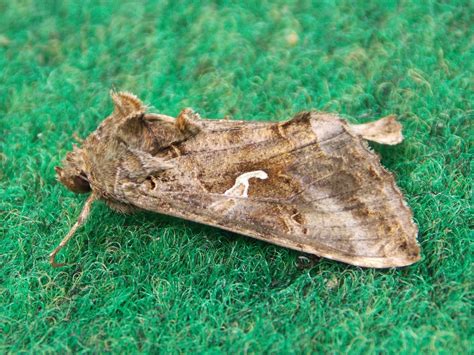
(147,282)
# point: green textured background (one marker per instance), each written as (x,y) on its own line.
(147,282)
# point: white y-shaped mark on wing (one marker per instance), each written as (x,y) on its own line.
(243,181)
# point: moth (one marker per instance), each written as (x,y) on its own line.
(310,183)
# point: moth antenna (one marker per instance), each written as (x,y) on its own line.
(80,221)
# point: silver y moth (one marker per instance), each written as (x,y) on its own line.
(310,183)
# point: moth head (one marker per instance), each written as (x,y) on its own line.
(73,173)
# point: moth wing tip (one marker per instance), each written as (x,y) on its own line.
(386,130)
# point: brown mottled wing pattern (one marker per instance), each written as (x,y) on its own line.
(324,192)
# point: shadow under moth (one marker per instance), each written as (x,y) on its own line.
(310,183)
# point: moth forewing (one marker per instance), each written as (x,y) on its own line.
(309,184)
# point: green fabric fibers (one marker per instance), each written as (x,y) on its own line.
(152,283)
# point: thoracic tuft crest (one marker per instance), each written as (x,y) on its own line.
(126,103)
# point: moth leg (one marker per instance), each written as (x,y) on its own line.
(121,207)
(184,120)
(80,221)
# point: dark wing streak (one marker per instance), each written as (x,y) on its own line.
(292,151)
(268,159)
(249,231)
(212,150)
(260,199)
(325,141)
(353,225)
(151,133)
(197,196)
(358,205)
(287,201)
(325,197)
(304,146)
(315,245)
(201,218)
(242,124)
(374,156)
(262,144)
(355,239)
(219,126)
(305,189)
